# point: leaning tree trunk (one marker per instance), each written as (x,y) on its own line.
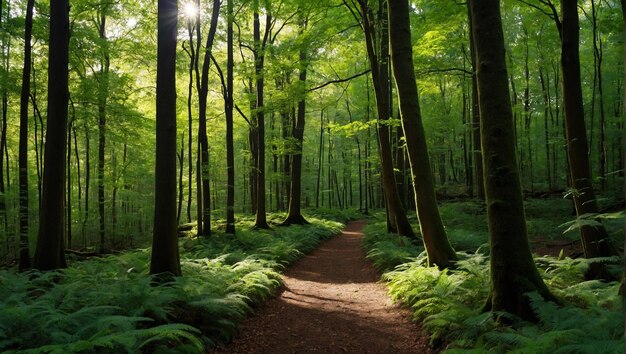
(50,251)
(397,221)
(595,240)
(165,258)
(438,248)
(513,271)
(23,144)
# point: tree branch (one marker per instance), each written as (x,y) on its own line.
(339,80)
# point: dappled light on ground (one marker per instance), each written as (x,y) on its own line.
(331,302)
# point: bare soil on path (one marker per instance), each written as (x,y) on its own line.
(331,302)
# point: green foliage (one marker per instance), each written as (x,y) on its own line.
(449,302)
(111,304)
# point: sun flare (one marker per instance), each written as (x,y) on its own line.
(190,10)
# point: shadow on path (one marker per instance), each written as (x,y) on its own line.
(331,302)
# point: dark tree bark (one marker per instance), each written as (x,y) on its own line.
(230,156)
(623,285)
(181,161)
(50,251)
(23,144)
(87,183)
(294,214)
(476,144)
(397,221)
(103,93)
(259,63)
(320,155)
(438,248)
(513,271)
(203,90)
(165,258)
(596,242)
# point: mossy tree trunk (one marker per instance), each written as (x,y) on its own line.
(50,251)
(513,271)
(165,258)
(438,248)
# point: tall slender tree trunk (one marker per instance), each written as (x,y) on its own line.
(438,248)
(103,93)
(397,221)
(50,251)
(623,285)
(165,258)
(230,156)
(23,144)
(294,214)
(181,162)
(259,63)
(476,144)
(203,89)
(87,183)
(596,242)
(320,163)
(513,271)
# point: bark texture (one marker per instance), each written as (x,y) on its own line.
(23,144)
(513,271)
(595,240)
(397,221)
(50,251)
(165,258)
(438,248)
(294,214)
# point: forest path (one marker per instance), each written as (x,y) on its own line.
(331,303)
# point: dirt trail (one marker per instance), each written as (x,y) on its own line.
(331,303)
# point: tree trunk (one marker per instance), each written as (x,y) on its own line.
(513,271)
(103,93)
(230,157)
(623,285)
(165,258)
(476,144)
(438,248)
(259,60)
(50,251)
(294,215)
(23,144)
(596,242)
(181,161)
(397,221)
(319,163)
(203,89)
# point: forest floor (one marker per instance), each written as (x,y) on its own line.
(331,302)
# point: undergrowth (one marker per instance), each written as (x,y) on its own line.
(111,304)
(449,302)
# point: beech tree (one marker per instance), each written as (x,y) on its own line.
(439,250)
(50,251)
(513,271)
(165,258)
